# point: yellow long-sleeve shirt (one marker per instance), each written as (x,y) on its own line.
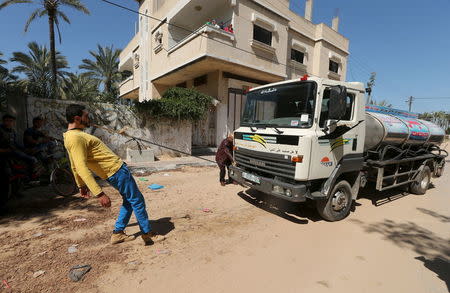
(88,153)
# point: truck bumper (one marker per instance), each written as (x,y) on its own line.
(290,192)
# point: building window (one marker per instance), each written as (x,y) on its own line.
(297,56)
(198,81)
(334,66)
(183,85)
(262,35)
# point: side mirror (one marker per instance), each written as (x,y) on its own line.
(338,98)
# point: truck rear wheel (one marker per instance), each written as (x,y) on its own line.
(421,185)
(337,206)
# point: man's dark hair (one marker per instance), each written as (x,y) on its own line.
(37,118)
(74,110)
(8,116)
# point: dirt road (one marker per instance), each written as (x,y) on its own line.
(225,239)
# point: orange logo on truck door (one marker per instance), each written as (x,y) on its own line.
(326,162)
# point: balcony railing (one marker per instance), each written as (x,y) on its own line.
(204,29)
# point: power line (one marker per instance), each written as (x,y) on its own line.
(433,98)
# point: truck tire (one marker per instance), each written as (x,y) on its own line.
(337,206)
(420,186)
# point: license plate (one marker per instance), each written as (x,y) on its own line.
(251,177)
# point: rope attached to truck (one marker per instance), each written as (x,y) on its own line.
(137,139)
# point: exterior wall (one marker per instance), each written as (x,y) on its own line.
(176,135)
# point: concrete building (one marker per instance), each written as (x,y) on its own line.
(175,47)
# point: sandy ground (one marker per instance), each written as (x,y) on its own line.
(227,239)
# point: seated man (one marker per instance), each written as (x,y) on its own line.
(36,142)
(9,148)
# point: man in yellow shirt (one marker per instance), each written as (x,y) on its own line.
(88,153)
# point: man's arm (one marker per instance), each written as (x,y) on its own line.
(227,152)
(77,149)
(78,180)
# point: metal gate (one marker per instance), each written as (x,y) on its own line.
(236,104)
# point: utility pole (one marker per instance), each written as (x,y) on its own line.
(409,101)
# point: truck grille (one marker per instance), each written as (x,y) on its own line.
(272,164)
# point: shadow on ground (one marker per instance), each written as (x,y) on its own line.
(440,266)
(40,204)
(442,218)
(379,198)
(294,212)
(434,251)
(162,226)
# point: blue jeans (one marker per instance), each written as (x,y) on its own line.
(133,201)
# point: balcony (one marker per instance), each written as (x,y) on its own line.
(190,15)
(129,88)
(129,57)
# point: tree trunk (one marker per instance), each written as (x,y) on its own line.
(108,86)
(51,23)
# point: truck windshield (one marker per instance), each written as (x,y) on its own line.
(286,105)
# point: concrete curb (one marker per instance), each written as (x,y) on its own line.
(145,171)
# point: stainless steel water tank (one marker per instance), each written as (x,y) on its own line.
(383,129)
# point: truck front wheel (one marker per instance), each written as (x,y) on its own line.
(337,206)
(421,185)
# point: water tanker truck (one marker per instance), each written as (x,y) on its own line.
(314,139)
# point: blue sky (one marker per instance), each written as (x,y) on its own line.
(405,41)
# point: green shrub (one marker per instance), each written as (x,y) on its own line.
(177,104)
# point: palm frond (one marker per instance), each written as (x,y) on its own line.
(75,4)
(57,29)
(33,16)
(9,2)
(63,16)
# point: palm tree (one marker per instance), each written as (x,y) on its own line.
(51,9)
(382,103)
(7,83)
(2,61)
(80,87)
(104,67)
(35,65)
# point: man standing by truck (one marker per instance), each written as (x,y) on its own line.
(224,158)
(88,153)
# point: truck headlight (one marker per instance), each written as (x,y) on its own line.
(288,192)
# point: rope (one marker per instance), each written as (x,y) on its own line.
(137,139)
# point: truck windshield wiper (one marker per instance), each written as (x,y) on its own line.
(277,130)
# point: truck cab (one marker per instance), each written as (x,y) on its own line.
(298,136)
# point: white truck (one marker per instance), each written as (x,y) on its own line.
(315,139)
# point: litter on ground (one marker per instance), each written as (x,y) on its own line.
(77,273)
(38,273)
(73,248)
(6,284)
(155,186)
